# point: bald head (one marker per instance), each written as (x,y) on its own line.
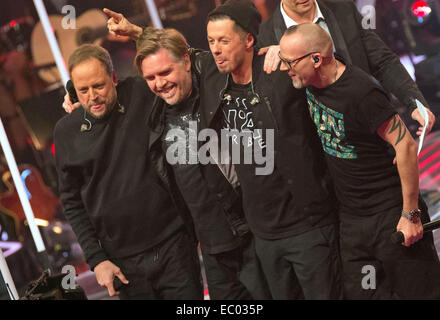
(310,37)
(306,51)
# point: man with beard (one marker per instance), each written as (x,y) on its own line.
(125,220)
(357,126)
(290,210)
(232,270)
(355,44)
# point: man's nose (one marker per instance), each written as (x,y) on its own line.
(160,83)
(216,48)
(92,94)
(283,66)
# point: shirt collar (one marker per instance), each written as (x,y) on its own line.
(290,22)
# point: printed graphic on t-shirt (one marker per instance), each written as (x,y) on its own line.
(183,134)
(238,118)
(331,129)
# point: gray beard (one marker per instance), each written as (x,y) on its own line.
(102,116)
(297,84)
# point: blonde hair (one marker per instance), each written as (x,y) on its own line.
(152,40)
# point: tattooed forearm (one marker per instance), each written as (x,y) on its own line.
(397,124)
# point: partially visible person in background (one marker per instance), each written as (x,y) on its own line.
(355,44)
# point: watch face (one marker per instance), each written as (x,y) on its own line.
(415,215)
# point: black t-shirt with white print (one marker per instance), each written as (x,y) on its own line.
(347,115)
(178,131)
(181,122)
(267,202)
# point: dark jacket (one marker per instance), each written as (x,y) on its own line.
(113,198)
(218,229)
(298,153)
(355,45)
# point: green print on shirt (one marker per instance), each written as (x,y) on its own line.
(331,130)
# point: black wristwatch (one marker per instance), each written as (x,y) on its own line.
(413,215)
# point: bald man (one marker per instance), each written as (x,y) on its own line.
(359,130)
(359,46)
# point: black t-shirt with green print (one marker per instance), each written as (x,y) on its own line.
(347,115)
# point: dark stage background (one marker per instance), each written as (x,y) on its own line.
(31,95)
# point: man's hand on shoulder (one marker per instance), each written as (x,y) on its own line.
(68,106)
(272,59)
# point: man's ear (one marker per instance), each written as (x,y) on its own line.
(187,62)
(114,78)
(317,59)
(250,41)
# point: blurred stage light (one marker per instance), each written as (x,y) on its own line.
(421,10)
(423,13)
(421,22)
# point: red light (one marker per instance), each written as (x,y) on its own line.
(13,23)
(421,9)
(53,149)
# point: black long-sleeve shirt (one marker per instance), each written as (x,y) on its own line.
(111,194)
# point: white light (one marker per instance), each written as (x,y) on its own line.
(154,15)
(11,247)
(57,229)
(422,10)
(41,222)
(435,216)
(42,13)
(7,278)
(407,63)
(20,189)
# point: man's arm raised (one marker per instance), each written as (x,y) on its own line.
(118,25)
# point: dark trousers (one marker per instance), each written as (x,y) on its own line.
(302,266)
(171,270)
(236,274)
(376,268)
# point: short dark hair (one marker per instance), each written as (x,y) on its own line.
(243,12)
(237,28)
